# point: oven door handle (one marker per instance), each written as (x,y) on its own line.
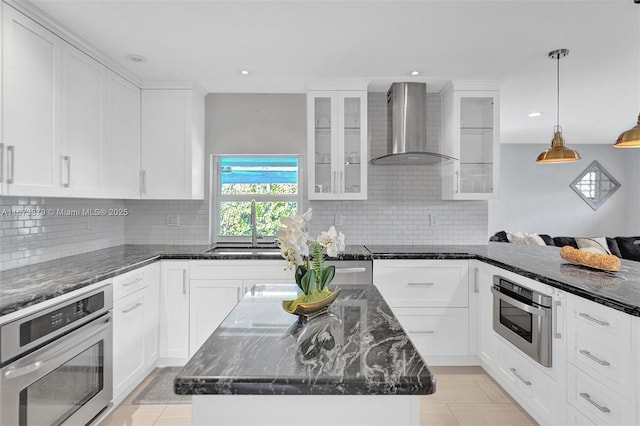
(55,351)
(518,304)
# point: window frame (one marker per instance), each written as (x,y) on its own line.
(215,196)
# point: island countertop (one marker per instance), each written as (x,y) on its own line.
(357,348)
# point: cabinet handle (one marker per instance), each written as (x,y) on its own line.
(143,186)
(476,280)
(595,404)
(423,332)
(1,162)
(335,182)
(11,150)
(515,373)
(592,319)
(341,182)
(184,281)
(238,294)
(67,160)
(593,358)
(457,181)
(557,305)
(420,284)
(350,270)
(132,282)
(136,306)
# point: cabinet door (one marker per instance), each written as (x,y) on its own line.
(128,340)
(352,145)
(121,156)
(471,134)
(30,99)
(487,339)
(211,302)
(174,310)
(152,315)
(172,145)
(82,117)
(322,144)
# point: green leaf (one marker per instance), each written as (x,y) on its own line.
(326,276)
(301,270)
(308,281)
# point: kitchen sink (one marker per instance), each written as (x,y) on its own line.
(268,250)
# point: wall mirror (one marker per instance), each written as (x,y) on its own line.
(594,185)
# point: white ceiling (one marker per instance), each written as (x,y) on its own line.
(288,44)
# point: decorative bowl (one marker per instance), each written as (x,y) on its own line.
(311,309)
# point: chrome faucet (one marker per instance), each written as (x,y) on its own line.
(254,230)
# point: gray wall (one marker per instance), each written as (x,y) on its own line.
(537,198)
(633,190)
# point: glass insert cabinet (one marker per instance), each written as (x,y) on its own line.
(470,133)
(337,144)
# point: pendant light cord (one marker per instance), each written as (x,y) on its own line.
(558,90)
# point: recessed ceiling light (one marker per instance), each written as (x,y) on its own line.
(415,72)
(534,114)
(135,58)
(244,72)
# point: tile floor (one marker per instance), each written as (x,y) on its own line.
(465,396)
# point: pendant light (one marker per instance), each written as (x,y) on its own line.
(630,138)
(558,153)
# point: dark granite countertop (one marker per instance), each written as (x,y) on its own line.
(27,286)
(23,287)
(357,348)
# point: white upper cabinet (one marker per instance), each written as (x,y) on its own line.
(121,153)
(470,133)
(83,122)
(172,144)
(30,99)
(337,144)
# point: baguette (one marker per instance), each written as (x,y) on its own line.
(595,260)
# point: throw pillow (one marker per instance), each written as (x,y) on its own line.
(613,247)
(629,247)
(593,244)
(565,241)
(525,238)
(500,237)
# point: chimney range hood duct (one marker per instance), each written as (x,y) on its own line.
(407,127)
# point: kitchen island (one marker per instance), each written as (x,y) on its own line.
(352,365)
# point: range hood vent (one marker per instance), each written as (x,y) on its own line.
(407,127)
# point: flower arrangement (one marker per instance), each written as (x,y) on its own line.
(306,255)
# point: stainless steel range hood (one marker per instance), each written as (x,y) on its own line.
(407,127)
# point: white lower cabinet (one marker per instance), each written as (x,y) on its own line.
(430,298)
(487,340)
(135,328)
(174,312)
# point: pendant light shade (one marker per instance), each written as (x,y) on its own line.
(558,153)
(630,138)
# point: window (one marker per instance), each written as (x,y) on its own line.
(272,182)
(594,185)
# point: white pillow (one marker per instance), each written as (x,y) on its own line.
(525,238)
(593,244)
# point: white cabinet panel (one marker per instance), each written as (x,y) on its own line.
(152,314)
(487,339)
(174,312)
(30,99)
(211,302)
(172,144)
(436,331)
(83,115)
(121,155)
(128,340)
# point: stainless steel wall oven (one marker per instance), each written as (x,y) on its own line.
(523,317)
(56,363)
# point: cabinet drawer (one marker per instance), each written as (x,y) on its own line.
(436,331)
(241,269)
(129,282)
(591,317)
(428,283)
(576,418)
(597,401)
(603,356)
(531,387)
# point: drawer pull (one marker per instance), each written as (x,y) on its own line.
(515,373)
(132,282)
(422,332)
(595,404)
(420,284)
(136,306)
(593,358)
(592,319)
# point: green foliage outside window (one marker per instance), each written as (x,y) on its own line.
(235,217)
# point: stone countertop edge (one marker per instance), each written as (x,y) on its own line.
(53,279)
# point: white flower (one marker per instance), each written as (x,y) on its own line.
(332,241)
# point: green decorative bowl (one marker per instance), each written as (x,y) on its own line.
(310,309)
